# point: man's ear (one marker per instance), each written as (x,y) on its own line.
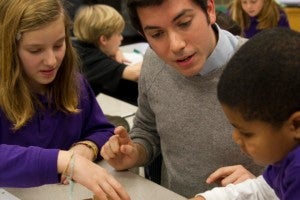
(295,124)
(211,12)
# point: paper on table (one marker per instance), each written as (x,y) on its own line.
(4,195)
(130,48)
(133,57)
(134,52)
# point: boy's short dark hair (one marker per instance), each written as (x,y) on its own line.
(262,80)
(132,5)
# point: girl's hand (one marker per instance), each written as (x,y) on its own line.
(92,176)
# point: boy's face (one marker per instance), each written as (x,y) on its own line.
(110,46)
(179,33)
(259,140)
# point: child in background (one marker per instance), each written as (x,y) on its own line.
(51,125)
(98,29)
(259,93)
(254,16)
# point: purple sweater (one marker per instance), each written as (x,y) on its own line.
(251,31)
(284,176)
(28,157)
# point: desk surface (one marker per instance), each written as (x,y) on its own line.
(113,106)
(138,188)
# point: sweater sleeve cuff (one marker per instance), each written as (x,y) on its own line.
(47,167)
(148,149)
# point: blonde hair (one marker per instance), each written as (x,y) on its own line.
(93,21)
(17,100)
(267,18)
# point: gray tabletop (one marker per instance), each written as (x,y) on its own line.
(138,188)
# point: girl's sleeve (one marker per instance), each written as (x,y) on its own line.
(283,20)
(255,189)
(96,126)
(27,166)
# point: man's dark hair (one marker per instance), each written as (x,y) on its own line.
(132,6)
(262,80)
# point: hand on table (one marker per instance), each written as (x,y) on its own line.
(92,176)
(121,152)
(231,174)
(81,150)
(119,57)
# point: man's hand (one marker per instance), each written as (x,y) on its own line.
(121,152)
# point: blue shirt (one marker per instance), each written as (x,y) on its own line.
(227,45)
(28,157)
(284,176)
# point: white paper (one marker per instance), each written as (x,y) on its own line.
(4,195)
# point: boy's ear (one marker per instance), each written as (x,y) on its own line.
(295,122)
(102,40)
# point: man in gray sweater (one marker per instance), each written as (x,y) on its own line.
(179,115)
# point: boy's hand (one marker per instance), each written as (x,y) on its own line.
(230,174)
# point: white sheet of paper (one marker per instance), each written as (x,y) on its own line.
(133,57)
(4,195)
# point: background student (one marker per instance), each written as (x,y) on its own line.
(267,130)
(254,16)
(178,114)
(98,31)
(51,126)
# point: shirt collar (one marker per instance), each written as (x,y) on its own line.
(225,48)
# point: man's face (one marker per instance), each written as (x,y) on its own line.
(179,33)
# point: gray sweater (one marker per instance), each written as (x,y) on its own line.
(181,118)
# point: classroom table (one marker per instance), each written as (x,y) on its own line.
(138,188)
(112,106)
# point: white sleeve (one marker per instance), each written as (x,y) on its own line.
(254,189)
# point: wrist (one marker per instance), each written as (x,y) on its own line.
(142,155)
(90,145)
(62,160)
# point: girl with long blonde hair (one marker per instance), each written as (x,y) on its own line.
(50,122)
(254,16)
